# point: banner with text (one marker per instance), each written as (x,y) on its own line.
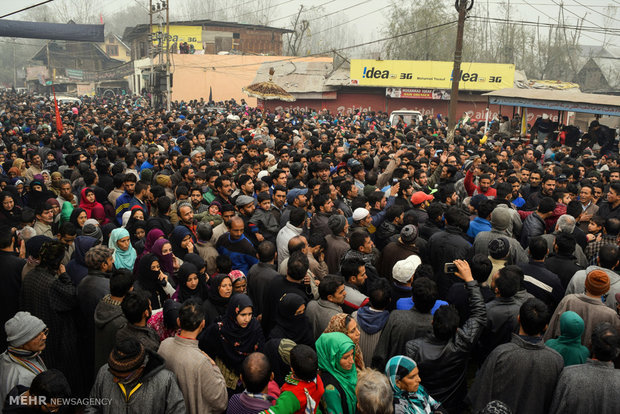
(178,34)
(410,93)
(430,74)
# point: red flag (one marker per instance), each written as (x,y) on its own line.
(101,18)
(59,128)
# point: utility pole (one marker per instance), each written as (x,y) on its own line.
(168,95)
(151,55)
(14,67)
(462,7)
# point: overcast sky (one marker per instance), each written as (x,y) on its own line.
(372,14)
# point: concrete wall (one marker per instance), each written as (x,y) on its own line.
(225,74)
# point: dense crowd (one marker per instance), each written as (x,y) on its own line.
(230,259)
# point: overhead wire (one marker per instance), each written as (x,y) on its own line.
(303,11)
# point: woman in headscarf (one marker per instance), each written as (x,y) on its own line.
(124,253)
(151,279)
(76,268)
(163,250)
(291,320)
(136,231)
(181,241)
(38,194)
(56,208)
(568,344)
(89,202)
(191,284)
(409,396)
(55,185)
(344,323)
(336,354)
(135,213)
(10,212)
(78,218)
(232,339)
(239,281)
(220,291)
(150,239)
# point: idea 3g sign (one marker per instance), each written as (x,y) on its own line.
(430,74)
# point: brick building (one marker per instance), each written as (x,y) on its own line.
(209,37)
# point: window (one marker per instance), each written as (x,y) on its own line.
(111,50)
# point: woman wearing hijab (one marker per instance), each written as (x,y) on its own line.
(164,321)
(219,295)
(124,253)
(151,279)
(345,324)
(10,212)
(76,268)
(409,396)
(181,241)
(191,284)
(38,194)
(89,202)
(291,320)
(55,184)
(150,239)
(163,250)
(336,355)
(232,339)
(136,231)
(78,218)
(568,344)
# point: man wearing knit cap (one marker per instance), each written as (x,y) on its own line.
(407,244)
(588,305)
(337,243)
(500,221)
(21,362)
(136,377)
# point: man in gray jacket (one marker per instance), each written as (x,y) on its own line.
(331,297)
(135,381)
(500,222)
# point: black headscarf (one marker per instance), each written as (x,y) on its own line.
(201,292)
(214,292)
(228,340)
(13,216)
(148,280)
(74,216)
(288,325)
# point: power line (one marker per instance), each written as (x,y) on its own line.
(26,8)
(615,32)
(347,22)
(304,11)
(338,11)
(290,59)
(596,11)
(263,9)
(575,14)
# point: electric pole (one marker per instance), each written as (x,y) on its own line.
(168,95)
(14,68)
(151,55)
(462,6)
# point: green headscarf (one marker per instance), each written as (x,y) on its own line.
(65,212)
(330,347)
(568,344)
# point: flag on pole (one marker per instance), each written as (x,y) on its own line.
(59,128)
(100,18)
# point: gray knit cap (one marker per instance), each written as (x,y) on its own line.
(500,219)
(22,328)
(336,223)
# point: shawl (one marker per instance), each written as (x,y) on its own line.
(338,323)
(166,261)
(123,259)
(235,343)
(14,215)
(76,268)
(65,212)
(183,292)
(330,347)
(214,293)
(290,326)
(150,239)
(418,402)
(74,216)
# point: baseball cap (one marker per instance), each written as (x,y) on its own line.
(420,197)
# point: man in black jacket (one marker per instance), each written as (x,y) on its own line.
(11,281)
(443,357)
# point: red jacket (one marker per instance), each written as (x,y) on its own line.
(471,187)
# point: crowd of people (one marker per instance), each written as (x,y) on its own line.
(232,259)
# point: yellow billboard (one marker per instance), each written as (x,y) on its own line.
(430,74)
(178,35)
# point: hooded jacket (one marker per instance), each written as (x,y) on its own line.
(568,344)
(109,319)
(158,393)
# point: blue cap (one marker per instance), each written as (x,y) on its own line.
(294,193)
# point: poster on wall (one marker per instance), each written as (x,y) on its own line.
(178,34)
(412,93)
